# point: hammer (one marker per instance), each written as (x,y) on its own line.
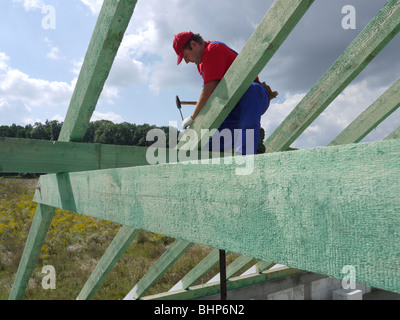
(179,104)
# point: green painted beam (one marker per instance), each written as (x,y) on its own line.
(205,265)
(209,289)
(40,226)
(272,31)
(352,61)
(42,156)
(321,209)
(394,135)
(264,265)
(110,27)
(236,265)
(118,246)
(157,270)
(371,117)
(277,24)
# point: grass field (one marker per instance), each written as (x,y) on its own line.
(74,244)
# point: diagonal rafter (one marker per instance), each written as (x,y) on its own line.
(110,27)
(383,107)
(375,36)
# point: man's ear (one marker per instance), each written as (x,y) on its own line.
(193,44)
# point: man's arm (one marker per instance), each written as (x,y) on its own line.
(208,89)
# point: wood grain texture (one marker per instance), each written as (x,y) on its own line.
(382,28)
(316,210)
(41,156)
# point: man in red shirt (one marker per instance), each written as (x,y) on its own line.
(213,59)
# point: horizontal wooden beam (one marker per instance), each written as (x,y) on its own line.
(383,107)
(42,156)
(379,32)
(316,210)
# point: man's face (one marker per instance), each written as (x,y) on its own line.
(193,55)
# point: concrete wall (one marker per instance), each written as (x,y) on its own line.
(304,286)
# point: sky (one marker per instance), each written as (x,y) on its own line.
(43,44)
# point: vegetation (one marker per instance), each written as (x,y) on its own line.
(74,245)
(102,131)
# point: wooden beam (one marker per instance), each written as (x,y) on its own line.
(40,226)
(42,156)
(110,258)
(277,24)
(264,265)
(321,209)
(209,289)
(109,30)
(274,28)
(157,270)
(352,61)
(110,27)
(371,117)
(394,135)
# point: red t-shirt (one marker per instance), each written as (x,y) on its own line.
(216,60)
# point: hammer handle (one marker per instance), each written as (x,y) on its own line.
(189,102)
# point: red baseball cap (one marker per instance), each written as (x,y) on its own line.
(180,40)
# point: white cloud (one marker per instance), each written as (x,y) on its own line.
(94,5)
(107,116)
(31,4)
(54,52)
(22,94)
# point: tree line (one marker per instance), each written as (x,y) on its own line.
(102,131)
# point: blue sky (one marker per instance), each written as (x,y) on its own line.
(39,66)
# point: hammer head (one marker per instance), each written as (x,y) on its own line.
(178,102)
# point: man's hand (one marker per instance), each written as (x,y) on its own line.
(187,122)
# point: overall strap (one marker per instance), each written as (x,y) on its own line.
(224,45)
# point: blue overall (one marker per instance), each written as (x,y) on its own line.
(245,115)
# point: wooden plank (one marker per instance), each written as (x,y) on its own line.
(110,27)
(209,289)
(236,265)
(110,258)
(394,135)
(157,270)
(42,156)
(321,209)
(264,265)
(274,28)
(40,226)
(352,61)
(371,117)
(200,269)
